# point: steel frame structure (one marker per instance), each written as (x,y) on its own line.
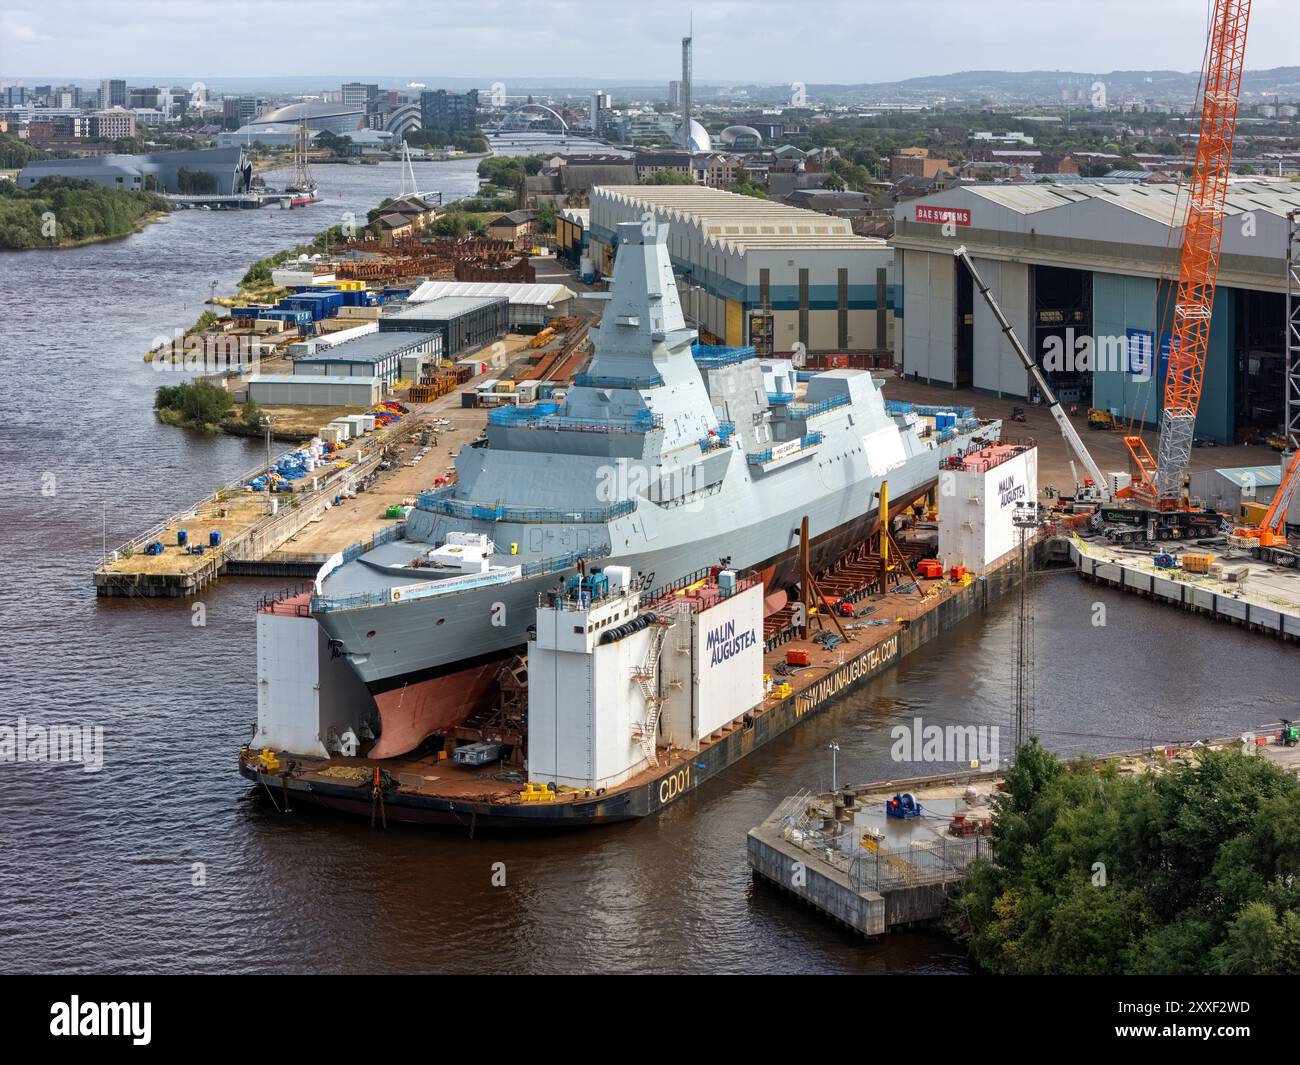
(1292,426)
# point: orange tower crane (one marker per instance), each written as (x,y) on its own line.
(1159,481)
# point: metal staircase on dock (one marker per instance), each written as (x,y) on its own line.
(645,678)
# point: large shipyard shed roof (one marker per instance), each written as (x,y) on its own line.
(1154,201)
(518,293)
(739,223)
(1120,227)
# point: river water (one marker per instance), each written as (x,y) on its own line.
(166,859)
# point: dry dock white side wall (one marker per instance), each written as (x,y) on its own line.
(304,694)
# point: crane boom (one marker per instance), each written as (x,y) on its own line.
(1068,431)
(1160,481)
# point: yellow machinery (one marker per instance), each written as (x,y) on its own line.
(1271,532)
(1101,419)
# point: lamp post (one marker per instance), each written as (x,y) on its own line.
(834,748)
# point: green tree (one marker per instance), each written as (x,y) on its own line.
(452,224)
(668,176)
(198,405)
(76,209)
(1193,869)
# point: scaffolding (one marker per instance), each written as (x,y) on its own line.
(1292,427)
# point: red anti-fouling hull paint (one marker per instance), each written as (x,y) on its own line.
(410,714)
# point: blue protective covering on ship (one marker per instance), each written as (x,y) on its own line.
(515,415)
(715,356)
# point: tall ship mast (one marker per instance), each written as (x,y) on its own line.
(303,185)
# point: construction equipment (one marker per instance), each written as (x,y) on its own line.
(1165,561)
(1268,540)
(1054,405)
(903,805)
(1100,419)
(1289,736)
(1159,481)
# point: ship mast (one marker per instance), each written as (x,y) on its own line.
(302,180)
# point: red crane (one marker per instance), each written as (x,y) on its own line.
(1159,481)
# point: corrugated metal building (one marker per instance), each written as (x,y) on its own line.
(829,289)
(462,322)
(376,354)
(531,305)
(1083,268)
(314,390)
(1226,489)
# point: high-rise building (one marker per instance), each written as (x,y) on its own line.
(600,103)
(674,94)
(451,111)
(687,64)
(113,124)
(174,102)
(112,93)
(356,94)
(239,111)
(143,96)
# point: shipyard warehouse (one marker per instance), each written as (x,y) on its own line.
(1075,261)
(828,289)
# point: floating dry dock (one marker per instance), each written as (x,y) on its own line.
(634,696)
(434,790)
(841,854)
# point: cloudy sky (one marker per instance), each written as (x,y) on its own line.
(762,41)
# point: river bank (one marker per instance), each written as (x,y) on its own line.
(139,226)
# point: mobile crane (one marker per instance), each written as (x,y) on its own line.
(1101,486)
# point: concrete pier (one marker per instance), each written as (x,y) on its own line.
(837,854)
(1261,597)
(307,528)
(840,854)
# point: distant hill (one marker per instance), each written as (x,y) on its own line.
(1044,84)
(1000,86)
